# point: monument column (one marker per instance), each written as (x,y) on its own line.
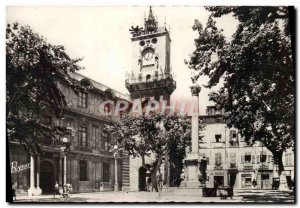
(38,189)
(31,190)
(192,159)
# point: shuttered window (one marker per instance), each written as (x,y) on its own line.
(233,157)
(218,158)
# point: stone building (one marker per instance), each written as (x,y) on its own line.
(150,77)
(90,158)
(231,162)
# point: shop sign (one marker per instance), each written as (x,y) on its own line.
(15,167)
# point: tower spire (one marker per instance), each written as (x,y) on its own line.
(150,23)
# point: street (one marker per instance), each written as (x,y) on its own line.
(168,195)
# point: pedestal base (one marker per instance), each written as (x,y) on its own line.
(116,187)
(283,186)
(31,191)
(191,172)
(38,191)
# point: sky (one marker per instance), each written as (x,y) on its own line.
(100,34)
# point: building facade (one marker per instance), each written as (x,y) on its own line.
(89,160)
(232,162)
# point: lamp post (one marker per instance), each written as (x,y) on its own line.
(225,160)
(63,148)
(116,150)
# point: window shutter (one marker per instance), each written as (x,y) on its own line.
(231,135)
(269,158)
(220,158)
(253,159)
(257,159)
(232,157)
(242,159)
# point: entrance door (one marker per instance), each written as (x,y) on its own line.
(232,178)
(218,181)
(265,181)
(142,178)
(47,178)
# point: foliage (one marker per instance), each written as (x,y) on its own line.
(34,71)
(157,134)
(256,69)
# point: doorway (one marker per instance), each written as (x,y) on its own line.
(265,181)
(47,177)
(218,181)
(142,178)
(232,178)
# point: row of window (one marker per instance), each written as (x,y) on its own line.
(82,132)
(83,171)
(245,159)
(233,137)
(83,102)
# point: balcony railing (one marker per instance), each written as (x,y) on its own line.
(263,166)
(248,166)
(158,30)
(217,144)
(131,79)
(51,142)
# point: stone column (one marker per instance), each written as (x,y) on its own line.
(192,159)
(116,188)
(31,190)
(195,119)
(38,189)
(60,174)
(65,169)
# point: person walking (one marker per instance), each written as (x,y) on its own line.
(56,190)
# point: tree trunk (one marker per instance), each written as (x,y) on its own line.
(282,178)
(157,164)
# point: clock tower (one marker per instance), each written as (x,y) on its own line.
(150,77)
(150,74)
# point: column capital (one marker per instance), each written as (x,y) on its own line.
(195,89)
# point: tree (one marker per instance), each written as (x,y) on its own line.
(35,71)
(257,73)
(157,134)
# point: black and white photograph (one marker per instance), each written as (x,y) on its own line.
(150,104)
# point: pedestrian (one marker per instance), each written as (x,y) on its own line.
(70,189)
(56,190)
(13,190)
(160,181)
(148,186)
(14,194)
(254,183)
(101,187)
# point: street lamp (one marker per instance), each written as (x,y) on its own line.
(116,150)
(63,148)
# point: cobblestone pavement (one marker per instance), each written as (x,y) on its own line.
(172,195)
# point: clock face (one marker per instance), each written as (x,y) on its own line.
(148,56)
